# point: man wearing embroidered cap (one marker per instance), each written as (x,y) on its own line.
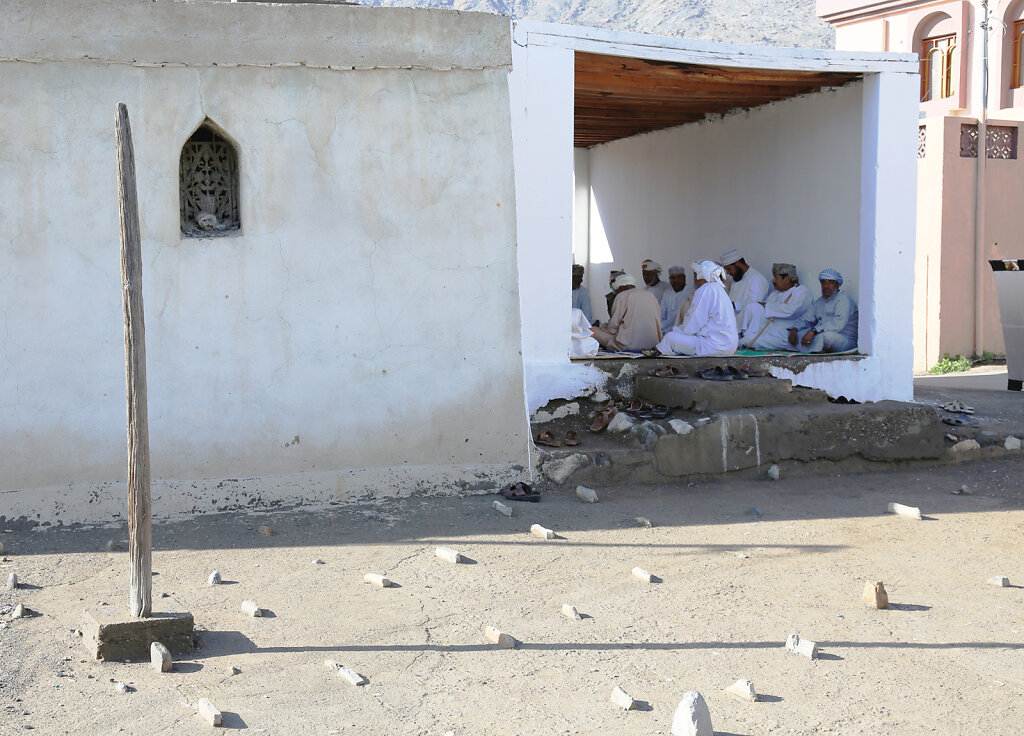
(635,323)
(765,325)
(710,325)
(749,285)
(830,324)
(651,271)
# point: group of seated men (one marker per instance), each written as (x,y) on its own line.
(717,315)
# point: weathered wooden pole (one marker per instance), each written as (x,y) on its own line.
(140,520)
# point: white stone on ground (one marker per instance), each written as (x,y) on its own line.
(586,494)
(680,427)
(875,595)
(502,508)
(252,608)
(966,446)
(569,611)
(566,410)
(543,532)
(774,473)
(642,521)
(120,687)
(501,639)
(448,555)
(214,578)
(1011,443)
(621,699)
(208,712)
(911,512)
(379,580)
(232,671)
(1000,580)
(351,676)
(743,689)
(12,581)
(160,657)
(19,611)
(692,717)
(318,561)
(802,647)
(642,574)
(559,469)
(621,422)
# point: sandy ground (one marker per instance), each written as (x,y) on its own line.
(742,565)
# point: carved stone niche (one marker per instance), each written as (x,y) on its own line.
(208,181)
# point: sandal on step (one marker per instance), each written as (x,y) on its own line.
(603,419)
(660,411)
(546,438)
(665,371)
(737,373)
(718,373)
(520,492)
(572,438)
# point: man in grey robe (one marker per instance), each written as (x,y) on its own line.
(830,324)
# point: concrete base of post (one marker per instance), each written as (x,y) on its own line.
(115,638)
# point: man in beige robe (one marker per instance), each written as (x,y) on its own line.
(635,323)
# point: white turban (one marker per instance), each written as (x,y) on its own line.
(623,280)
(731,257)
(650,265)
(708,271)
(677,271)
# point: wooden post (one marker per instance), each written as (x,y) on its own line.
(140,521)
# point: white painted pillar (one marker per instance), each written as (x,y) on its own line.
(887,224)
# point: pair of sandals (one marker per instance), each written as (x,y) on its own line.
(645,410)
(724,373)
(957,407)
(667,371)
(520,492)
(572,439)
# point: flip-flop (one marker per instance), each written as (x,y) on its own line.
(635,407)
(665,371)
(546,438)
(718,373)
(737,373)
(572,438)
(957,407)
(751,373)
(520,492)
(961,420)
(603,419)
(660,411)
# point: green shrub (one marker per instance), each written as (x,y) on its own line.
(950,364)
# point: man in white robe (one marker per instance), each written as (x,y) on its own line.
(580,295)
(674,297)
(749,285)
(710,325)
(830,325)
(765,325)
(651,271)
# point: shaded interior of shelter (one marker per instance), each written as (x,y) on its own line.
(783,184)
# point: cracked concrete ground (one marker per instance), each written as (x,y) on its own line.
(743,563)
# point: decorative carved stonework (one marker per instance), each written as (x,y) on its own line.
(922,139)
(208,177)
(1001,141)
(969,140)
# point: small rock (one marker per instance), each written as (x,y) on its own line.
(1011,443)
(621,699)
(252,608)
(569,611)
(372,515)
(214,578)
(680,427)
(692,717)
(113,546)
(621,422)
(774,473)
(741,555)
(586,494)
(448,555)
(1000,580)
(743,689)
(641,574)
(165,595)
(12,581)
(232,671)
(559,469)
(963,491)
(19,611)
(703,420)
(379,580)
(160,657)
(600,396)
(121,687)
(802,647)
(501,639)
(875,595)
(642,521)
(266,531)
(502,508)
(911,512)
(208,712)
(952,437)
(966,446)
(345,673)
(566,410)
(318,561)
(542,417)
(543,532)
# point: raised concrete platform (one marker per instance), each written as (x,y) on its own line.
(116,638)
(715,396)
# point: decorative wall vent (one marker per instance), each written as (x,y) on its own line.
(922,139)
(208,179)
(969,140)
(1001,141)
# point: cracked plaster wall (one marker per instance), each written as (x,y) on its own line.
(360,337)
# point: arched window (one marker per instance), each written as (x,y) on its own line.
(208,180)
(1015,30)
(938,51)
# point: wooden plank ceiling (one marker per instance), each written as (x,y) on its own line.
(618,96)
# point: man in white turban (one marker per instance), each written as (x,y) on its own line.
(635,323)
(830,324)
(710,325)
(651,271)
(765,325)
(749,285)
(674,298)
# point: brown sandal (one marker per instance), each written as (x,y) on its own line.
(603,419)
(572,438)
(546,438)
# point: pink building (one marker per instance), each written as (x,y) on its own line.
(972,89)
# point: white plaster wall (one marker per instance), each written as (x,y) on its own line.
(359,338)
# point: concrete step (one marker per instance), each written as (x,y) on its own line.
(716,396)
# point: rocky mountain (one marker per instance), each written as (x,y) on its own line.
(764,22)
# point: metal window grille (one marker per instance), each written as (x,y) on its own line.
(208,179)
(937,55)
(1001,142)
(969,140)
(922,140)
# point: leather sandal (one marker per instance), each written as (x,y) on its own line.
(572,438)
(546,438)
(603,419)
